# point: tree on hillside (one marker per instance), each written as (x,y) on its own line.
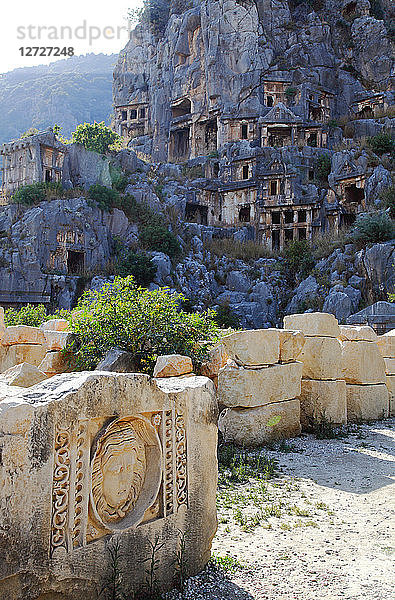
(96,137)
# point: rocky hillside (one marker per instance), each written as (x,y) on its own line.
(66,92)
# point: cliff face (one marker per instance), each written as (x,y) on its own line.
(217,54)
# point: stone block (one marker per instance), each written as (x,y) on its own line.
(321,358)
(390,382)
(390,366)
(240,387)
(118,361)
(312,324)
(291,344)
(23,334)
(253,347)
(260,425)
(323,399)
(172,365)
(367,402)
(23,375)
(2,324)
(54,363)
(57,340)
(386,344)
(355,333)
(55,325)
(217,359)
(89,459)
(362,363)
(20,353)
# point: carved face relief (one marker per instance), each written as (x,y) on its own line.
(118,471)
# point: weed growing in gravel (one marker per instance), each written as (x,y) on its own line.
(239,466)
(227,563)
(324,428)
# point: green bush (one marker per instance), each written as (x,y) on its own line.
(388,200)
(298,258)
(35,193)
(372,228)
(323,168)
(96,137)
(145,323)
(119,179)
(137,264)
(106,198)
(32,315)
(226,318)
(158,238)
(382,143)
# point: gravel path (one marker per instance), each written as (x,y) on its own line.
(325,524)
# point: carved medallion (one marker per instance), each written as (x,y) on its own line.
(126,472)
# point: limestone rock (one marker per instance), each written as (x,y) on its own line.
(362,363)
(386,344)
(323,399)
(253,426)
(20,353)
(354,333)
(23,334)
(390,382)
(54,363)
(313,324)
(239,387)
(66,492)
(23,375)
(367,402)
(291,345)
(172,365)
(2,324)
(57,340)
(118,361)
(55,325)
(253,347)
(390,366)
(321,358)
(217,359)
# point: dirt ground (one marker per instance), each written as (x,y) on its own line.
(322,527)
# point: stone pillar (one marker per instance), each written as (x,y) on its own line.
(323,394)
(386,345)
(260,392)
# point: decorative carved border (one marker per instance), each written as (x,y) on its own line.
(168,471)
(60,490)
(181,461)
(80,487)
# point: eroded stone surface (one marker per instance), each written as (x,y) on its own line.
(217,359)
(15,355)
(323,400)
(53,363)
(321,358)
(291,345)
(390,382)
(386,344)
(313,324)
(56,339)
(23,375)
(253,347)
(256,426)
(23,334)
(91,458)
(390,366)
(239,387)
(55,325)
(172,365)
(367,402)
(357,333)
(362,363)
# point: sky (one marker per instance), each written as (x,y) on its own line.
(92,26)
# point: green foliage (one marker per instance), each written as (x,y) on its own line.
(106,198)
(323,167)
(388,200)
(250,250)
(29,133)
(158,238)
(37,192)
(96,137)
(372,227)
(145,323)
(137,264)
(299,258)
(119,179)
(382,143)
(227,563)
(315,4)
(194,172)
(324,428)
(236,465)
(154,13)
(290,92)
(32,315)
(225,317)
